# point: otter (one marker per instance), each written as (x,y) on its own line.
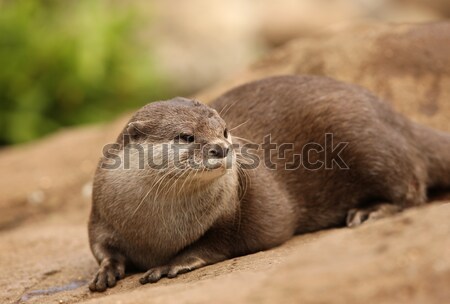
(267,160)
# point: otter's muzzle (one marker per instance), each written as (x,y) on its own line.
(217,150)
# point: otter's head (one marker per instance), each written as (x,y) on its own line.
(180,139)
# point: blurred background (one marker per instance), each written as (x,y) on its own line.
(65,63)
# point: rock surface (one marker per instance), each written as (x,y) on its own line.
(408,65)
(45,199)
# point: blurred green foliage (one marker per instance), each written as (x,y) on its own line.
(70,62)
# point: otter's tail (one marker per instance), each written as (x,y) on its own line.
(436,148)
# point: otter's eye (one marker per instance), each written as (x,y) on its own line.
(225,133)
(185,137)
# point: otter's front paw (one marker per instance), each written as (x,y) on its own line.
(172,270)
(107,276)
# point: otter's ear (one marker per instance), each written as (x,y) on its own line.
(134,131)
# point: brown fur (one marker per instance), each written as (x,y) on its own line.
(392,162)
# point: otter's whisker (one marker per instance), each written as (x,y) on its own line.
(223,108)
(229,108)
(142,200)
(240,125)
(148,192)
(244,139)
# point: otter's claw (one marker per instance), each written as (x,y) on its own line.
(154,275)
(356,217)
(171,271)
(106,277)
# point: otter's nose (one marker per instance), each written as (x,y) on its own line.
(218,151)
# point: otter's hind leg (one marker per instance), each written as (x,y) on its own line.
(399,183)
(399,192)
